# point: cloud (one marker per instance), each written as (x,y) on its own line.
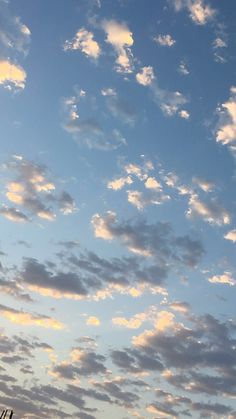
(231,235)
(198,10)
(184,114)
(169,102)
(165,40)
(93,321)
(211,211)
(180,307)
(119,107)
(87,130)
(84,41)
(226,131)
(183,69)
(29,188)
(119,183)
(225,278)
(146,76)
(157,240)
(26,319)
(204,184)
(121,38)
(12,75)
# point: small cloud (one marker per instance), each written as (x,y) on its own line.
(93,321)
(119,183)
(146,76)
(152,183)
(205,185)
(231,235)
(225,278)
(13,214)
(108,92)
(184,114)
(84,41)
(180,307)
(121,38)
(165,40)
(183,69)
(12,75)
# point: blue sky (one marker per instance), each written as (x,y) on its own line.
(118,231)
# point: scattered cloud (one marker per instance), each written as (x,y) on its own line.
(183,69)
(210,211)
(119,183)
(84,41)
(121,38)
(164,40)
(169,102)
(184,114)
(30,189)
(225,278)
(88,130)
(199,11)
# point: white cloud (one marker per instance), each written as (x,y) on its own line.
(199,11)
(146,76)
(101,225)
(12,75)
(121,38)
(231,235)
(108,92)
(84,41)
(93,321)
(225,278)
(226,132)
(165,40)
(219,43)
(184,114)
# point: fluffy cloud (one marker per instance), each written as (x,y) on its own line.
(226,132)
(84,41)
(145,76)
(31,190)
(165,40)
(121,38)
(198,10)
(119,183)
(93,321)
(225,278)
(12,75)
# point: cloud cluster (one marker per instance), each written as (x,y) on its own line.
(32,193)
(164,40)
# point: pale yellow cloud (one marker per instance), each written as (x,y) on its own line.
(226,133)
(93,321)
(119,183)
(152,183)
(132,323)
(121,38)
(225,278)
(212,212)
(12,75)
(184,114)
(84,41)
(231,235)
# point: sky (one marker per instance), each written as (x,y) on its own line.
(117,212)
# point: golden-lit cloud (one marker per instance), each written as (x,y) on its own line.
(27,319)
(84,41)
(226,278)
(93,321)
(12,75)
